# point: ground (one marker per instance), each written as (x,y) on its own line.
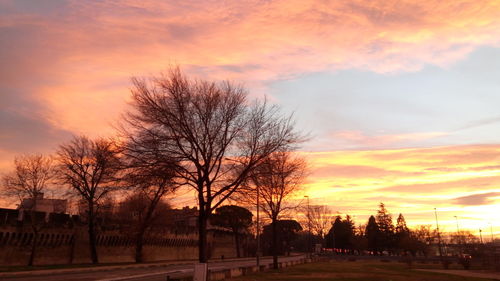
(352,271)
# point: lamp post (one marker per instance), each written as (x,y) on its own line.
(481,235)
(458,236)
(491,232)
(308,226)
(257,256)
(439,235)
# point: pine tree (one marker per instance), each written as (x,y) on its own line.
(341,234)
(372,233)
(403,239)
(401,225)
(384,222)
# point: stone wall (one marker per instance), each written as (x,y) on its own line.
(66,246)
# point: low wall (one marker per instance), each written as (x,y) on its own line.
(66,246)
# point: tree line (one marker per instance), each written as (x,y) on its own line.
(380,236)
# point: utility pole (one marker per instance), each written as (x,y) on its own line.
(491,233)
(308,226)
(439,235)
(258,229)
(459,242)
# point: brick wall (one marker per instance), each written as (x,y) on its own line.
(65,246)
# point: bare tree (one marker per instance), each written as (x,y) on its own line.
(30,179)
(89,168)
(320,219)
(211,130)
(139,212)
(277,178)
(150,174)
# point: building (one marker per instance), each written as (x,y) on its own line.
(41,204)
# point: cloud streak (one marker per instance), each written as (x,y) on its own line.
(412,181)
(478,199)
(82,53)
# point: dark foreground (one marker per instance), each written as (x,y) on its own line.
(363,270)
(152,273)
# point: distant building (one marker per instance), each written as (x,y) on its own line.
(185,217)
(40,204)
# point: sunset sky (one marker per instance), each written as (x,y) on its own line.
(401,98)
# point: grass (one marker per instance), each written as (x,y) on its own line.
(354,271)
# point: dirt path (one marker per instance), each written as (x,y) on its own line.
(478,274)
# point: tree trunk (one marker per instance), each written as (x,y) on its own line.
(72,247)
(138,246)
(237,242)
(139,242)
(35,229)
(202,233)
(34,243)
(92,235)
(274,245)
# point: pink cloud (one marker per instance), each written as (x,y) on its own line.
(357,138)
(85,52)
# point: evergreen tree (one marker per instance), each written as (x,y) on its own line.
(404,240)
(286,230)
(372,233)
(401,225)
(237,218)
(341,234)
(386,227)
(384,220)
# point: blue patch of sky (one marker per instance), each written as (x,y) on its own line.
(462,99)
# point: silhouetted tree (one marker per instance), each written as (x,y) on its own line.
(138,214)
(30,179)
(149,172)
(90,168)
(402,235)
(234,217)
(424,237)
(285,231)
(211,130)
(466,241)
(386,227)
(401,226)
(464,237)
(360,242)
(341,234)
(278,177)
(320,218)
(373,236)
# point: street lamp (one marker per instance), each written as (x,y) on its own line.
(257,256)
(458,230)
(308,225)
(491,233)
(458,236)
(439,235)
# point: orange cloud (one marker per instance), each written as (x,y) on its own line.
(84,53)
(460,181)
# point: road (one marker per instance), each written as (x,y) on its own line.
(156,273)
